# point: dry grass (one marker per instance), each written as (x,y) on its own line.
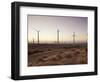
(56,55)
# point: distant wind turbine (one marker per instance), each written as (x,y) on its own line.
(74,37)
(37,35)
(33,39)
(58,36)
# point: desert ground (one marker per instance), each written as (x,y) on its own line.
(56,54)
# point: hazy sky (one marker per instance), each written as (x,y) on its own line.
(48,25)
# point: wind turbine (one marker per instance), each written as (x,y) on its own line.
(33,40)
(74,35)
(58,36)
(37,35)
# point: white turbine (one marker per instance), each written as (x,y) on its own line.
(37,35)
(74,35)
(58,36)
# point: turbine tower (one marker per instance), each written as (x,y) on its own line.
(74,35)
(37,35)
(33,40)
(58,36)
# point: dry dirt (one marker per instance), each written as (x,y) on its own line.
(47,54)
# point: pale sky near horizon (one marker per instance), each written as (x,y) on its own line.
(48,25)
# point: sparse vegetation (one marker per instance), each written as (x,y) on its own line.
(54,54)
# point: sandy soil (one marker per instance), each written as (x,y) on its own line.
(44,55)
